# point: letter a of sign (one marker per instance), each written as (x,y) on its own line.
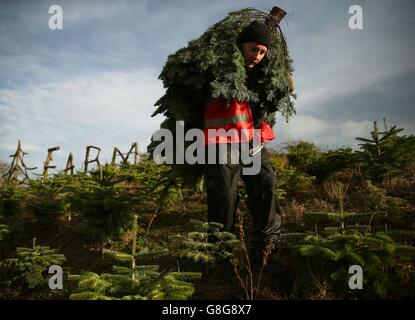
(56,20)
(55,281)
(356,280)
(356,20)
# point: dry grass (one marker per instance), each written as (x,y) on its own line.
(293,213)
(399,185)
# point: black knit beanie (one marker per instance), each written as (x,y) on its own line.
(256,32)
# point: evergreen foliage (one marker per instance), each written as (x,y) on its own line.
(215,61)
(212,66)
(148,284)
(147,181)
(372,226)
(98,204)
(11,199)
(46,203)
(386,153)
(31,264)
(292,182)
(4,231)
(322,258)
(303,155)
(104,202)
(206,243)
(133,282)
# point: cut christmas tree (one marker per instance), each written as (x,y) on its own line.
(212,67)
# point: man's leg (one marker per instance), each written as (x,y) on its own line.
(221,181)
(263,204)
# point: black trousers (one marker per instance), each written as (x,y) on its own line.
(221,182)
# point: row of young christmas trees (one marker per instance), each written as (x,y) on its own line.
(319,260)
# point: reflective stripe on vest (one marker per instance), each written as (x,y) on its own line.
(224,121)
(233,123)
(226,124)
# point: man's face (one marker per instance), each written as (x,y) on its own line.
(253,53)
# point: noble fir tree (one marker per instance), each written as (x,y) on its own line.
(320,258)
(386,153)
(31,265)
(195,245)
(131,280)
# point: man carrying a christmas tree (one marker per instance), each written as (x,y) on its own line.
(234,78)
(221,180)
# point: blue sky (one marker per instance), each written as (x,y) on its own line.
(95,82)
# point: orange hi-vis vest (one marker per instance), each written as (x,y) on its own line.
(233,123)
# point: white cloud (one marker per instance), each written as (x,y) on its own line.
(325,134)
(353,129)
(303,127)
